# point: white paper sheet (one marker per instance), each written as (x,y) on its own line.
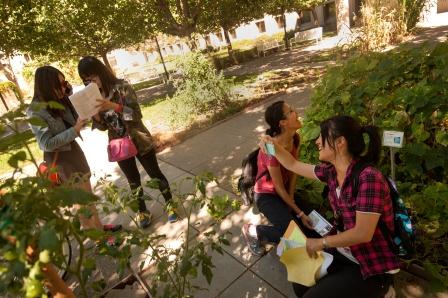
(85,102)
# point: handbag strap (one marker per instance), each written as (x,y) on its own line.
(56,155)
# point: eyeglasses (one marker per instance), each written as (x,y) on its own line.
(86,82)
(64,84)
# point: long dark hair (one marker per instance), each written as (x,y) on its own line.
(46,82)
(91,66)
(273,115)
(352,131)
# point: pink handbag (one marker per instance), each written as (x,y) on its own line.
(121,149)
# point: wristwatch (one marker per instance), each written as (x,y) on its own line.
(324,243)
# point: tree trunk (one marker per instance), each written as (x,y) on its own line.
(316,21)
(9,74)
(106,62)
(192,44)
(284,29)
(229,46)
(161,58)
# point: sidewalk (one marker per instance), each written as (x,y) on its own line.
(220,150)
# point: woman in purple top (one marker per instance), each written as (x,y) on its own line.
(363,261)
(275,186)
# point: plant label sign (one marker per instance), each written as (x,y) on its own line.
(393,138)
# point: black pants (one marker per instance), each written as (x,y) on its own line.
(279,215)
(149,163)
(344,280)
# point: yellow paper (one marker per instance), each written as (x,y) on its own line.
(300,267)
(293,232)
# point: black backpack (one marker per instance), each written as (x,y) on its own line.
(402,242)
(248,177)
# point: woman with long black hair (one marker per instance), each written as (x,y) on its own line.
(120,114)
(363,261)
(275,185)
(57,137)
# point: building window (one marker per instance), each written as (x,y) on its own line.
(305,17)
(329,12)
(279,20)
(208,40)
(442,6)
(219,36)
(261,26)
(232,33)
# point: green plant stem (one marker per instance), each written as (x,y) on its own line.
(156,255)
(81,257)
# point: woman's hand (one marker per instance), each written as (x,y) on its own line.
(80,123)
(97,117)
(313,245)
(263,140)
(306,221)
(105,105)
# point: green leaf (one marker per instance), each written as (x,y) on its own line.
(207,272)
(48,239)
(311,133)
(94,234)
(37,121)
(44,256)
(419,132)
(442,137)
(153,183)
(55,105)
(14,160)
(418,149)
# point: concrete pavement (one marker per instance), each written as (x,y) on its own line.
(218,149)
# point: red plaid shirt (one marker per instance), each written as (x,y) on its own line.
(374,257)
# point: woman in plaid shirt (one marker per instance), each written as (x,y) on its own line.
(363,262)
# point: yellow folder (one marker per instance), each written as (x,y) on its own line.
(300,267)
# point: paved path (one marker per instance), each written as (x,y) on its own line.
(219,150)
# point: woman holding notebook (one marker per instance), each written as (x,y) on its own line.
(57,137)
(363,261)
(120,114)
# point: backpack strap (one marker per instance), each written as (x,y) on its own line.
(262,174)
(357,169)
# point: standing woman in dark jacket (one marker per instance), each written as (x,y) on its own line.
(120,115)
(57,137)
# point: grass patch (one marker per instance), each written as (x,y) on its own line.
(146,84)
(156,111)
(243,79)
(10,145)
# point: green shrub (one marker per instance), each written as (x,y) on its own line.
(405,89)
(200,90)
(412,12)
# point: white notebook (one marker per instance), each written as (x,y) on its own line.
(85,102)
